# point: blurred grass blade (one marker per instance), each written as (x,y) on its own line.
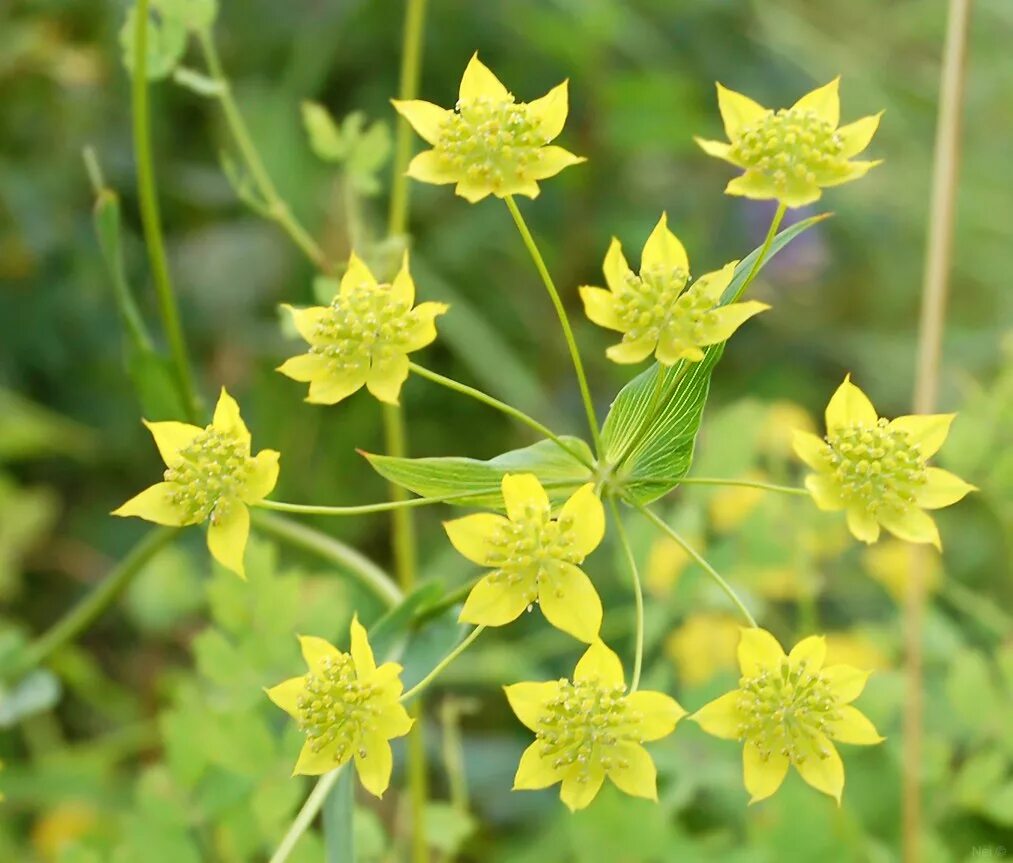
(339,811)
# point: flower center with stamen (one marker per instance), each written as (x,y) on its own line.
(657,305)
(490,141)
(335,708)
(527,550)
(583,726)
(208,473)
(787,712)
(364,326)
(789,145)
(876,467)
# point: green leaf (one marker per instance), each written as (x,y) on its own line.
(339,809)
(448,828)
(325,137)
(656,443)
(165,42)
(558,471)
(192,14)
(36,693)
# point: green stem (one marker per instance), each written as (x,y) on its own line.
(309,811)
(82,615)
(775,223)
(366,509)
(692,552)
(401,519)
(564,321)
(746,483)
(638,593)
(276,207)
(332,550)
(442,664)
(509,410)
(151,218)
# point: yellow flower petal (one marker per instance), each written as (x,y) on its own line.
(712,285)
(825,101)
(228,532)
(362,653)
(336,386)
(849,406)
(307,320)
(752,185)
(663,249)
(387,681)
(632,352)
(928,432)
(823,769)
(863,526)
(913,525)
(718,149)
(737,111)
(287,693)
(810,652)
(472,192)
(729,319)
(854,727)
(402,289)
(374,762)
(393,721)
(659,713)
(171,437)
(671,350)
(427,167)
(856,136)
(479,81)
(550,111)
(312,763)
(584,512)
(799,192)
(315,650)
(579,790)
(535,771)
(425,118)
(529,700)
(263,476)
(549,161)
(570,602)
(356,277)
(601,308)
(845,173)
(601,664)
(721,717)
(811,448)
(422,330)
(494,601)
(758,651)
(527,187)
(387,376)
(941,488)
(305,367)
(846,682)
(472,536)
(617,270)
(762,777)
(228,421)
(522,494)
(633,771)
(155,504)
(825,492)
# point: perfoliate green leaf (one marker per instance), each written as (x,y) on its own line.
(654,440)
(166,42)
(558,471)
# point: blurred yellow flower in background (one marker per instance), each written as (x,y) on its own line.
(857,648)
(782,419)
(703,646)
(666,562)
(889,563)
(729,506)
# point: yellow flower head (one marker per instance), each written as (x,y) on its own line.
(489,144)
(210,476)
(590,728)
(889,563)
(655,311)
(347,707)
(535,557)
(876,469)
(363,337)
(791,154)
(788,710)
(703,646)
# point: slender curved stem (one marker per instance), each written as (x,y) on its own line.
(638,593)
(151,219)
(775,223)
(692,552)
(746,483)
(366,509)
(82,615)
(509,410)
(333,551)
(314,803)
(564,321)
(442,664)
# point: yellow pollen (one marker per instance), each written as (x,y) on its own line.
(790,143)
(335,709)
(208,473)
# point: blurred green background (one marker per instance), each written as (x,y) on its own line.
(150,740)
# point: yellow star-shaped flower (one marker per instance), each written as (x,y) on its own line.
(489,144)
(655,311)
(347,707)
(363,337)
(788,710)
(591,728)
(210,476)
(536,558)
(876,470)
(791,154)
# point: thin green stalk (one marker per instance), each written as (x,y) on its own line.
(333,551)
(276,206)
(938,254)
(775,223)
(442,664)
(366,509)
(451,710)
(692,552)
(87,611)
(151,218)
(403,525)
(564,321)
(638,593)
(509,410)
(746,483)
(309,811)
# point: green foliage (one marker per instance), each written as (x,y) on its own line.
(362,152)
